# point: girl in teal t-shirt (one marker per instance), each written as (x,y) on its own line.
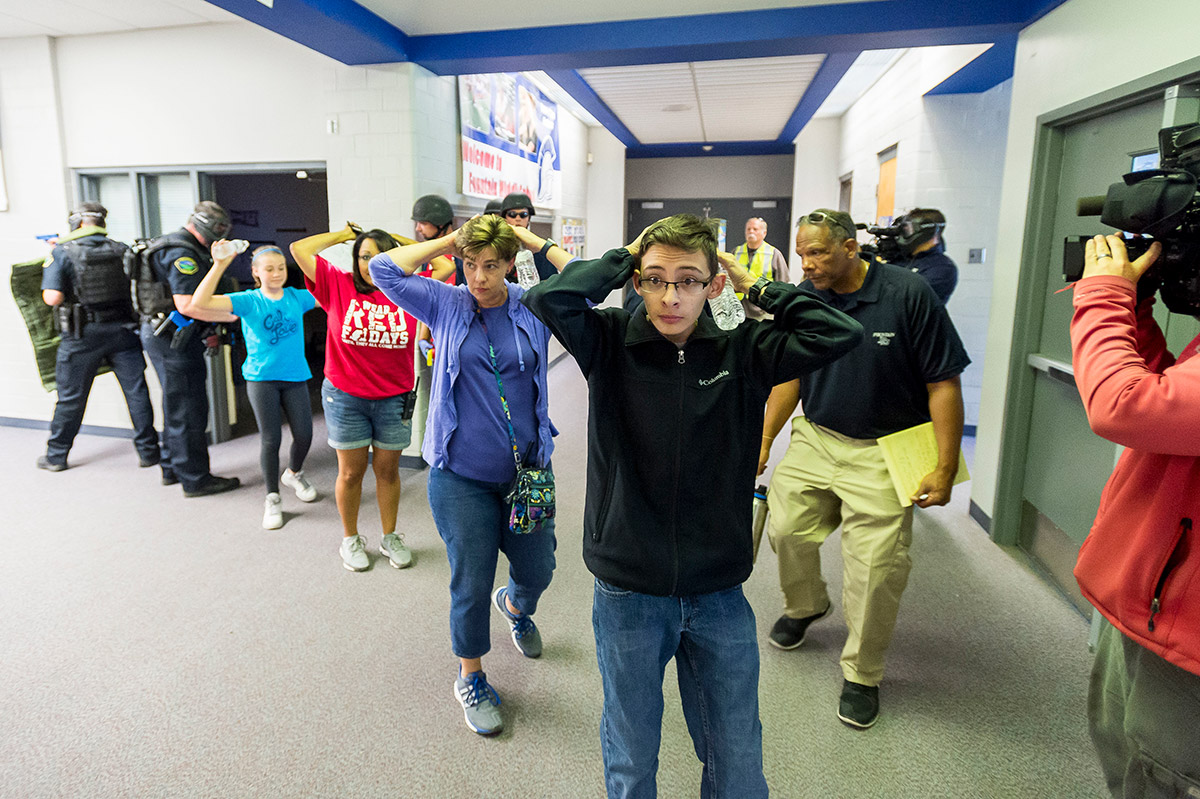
(276,370)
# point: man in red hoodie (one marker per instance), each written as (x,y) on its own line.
(1140,566)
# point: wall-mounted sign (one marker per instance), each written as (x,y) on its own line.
(509,139)
(573,237)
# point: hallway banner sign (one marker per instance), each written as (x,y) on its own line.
(509,139)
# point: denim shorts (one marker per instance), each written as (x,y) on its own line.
(354,422)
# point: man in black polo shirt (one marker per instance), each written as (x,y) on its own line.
(904,373)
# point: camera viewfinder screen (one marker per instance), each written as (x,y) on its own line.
(1145,161)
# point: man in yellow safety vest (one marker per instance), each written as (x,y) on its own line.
(761,259)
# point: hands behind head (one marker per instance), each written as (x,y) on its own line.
(1106,255)
(635,247)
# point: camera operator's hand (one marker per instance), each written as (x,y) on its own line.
(1106,255)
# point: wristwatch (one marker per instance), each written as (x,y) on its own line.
(756,290)
(546,247)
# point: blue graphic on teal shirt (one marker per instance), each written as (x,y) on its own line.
(279,325)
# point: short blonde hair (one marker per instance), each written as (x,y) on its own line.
(487,231)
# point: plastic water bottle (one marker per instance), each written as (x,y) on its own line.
(727,309)
(760,516)
(527,274)
(230,248)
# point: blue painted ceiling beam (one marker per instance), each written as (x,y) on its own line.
(341,29)
(693,149)
(992,67)
(349,33)
(827,77)
(748,34)
(574,84)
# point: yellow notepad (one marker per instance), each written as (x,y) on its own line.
(910,455)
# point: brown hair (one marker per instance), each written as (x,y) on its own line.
(684,232)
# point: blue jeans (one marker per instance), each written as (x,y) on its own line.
(353,422)
(472,518)
(712,638)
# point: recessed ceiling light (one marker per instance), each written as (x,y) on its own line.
(673,107)
(301,174)
(706,147)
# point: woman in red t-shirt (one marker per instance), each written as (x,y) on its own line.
(367,394)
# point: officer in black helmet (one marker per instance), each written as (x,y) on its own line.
(434,218)
(517,210)
(433,215)
(924,249)
(180,261)
(492,207)
(85,281)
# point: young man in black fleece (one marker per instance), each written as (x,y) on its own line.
(676,410)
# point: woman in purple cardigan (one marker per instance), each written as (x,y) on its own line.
(483,337)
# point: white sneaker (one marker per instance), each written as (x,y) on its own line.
(354,553)
(393,547)
(299,483)
(273,512)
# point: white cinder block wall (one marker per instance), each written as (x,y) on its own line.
(1070,54)
(37,199)
(395,137)
(951,152)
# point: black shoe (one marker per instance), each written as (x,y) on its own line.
(859,705)
(212,485)
(45,463)
(146,462)
(169,478)
(789,633)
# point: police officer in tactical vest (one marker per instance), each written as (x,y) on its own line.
(176,344)
(84,280)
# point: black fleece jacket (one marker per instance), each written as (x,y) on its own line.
(674,432)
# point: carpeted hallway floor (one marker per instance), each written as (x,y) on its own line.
(154,646)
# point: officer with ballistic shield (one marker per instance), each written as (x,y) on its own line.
(84,280)
(176,344)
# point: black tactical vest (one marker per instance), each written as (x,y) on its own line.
(152,292)
(99,282)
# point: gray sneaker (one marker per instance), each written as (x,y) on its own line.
(392,546)
(525,633)
(299,483)
(354,553)
(480,703)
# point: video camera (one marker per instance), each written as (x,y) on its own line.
(1158,205)
(900,240)
(886,246)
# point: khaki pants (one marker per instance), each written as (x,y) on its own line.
(825,479)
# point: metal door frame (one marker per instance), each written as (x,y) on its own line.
(1036,254)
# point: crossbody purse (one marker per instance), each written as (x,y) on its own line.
(531,497)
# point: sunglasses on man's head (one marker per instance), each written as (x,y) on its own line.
(516,214)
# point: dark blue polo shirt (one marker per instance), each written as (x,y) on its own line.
(879,387)
(183,270)
(939,271)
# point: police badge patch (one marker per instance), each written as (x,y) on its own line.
(187,266)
